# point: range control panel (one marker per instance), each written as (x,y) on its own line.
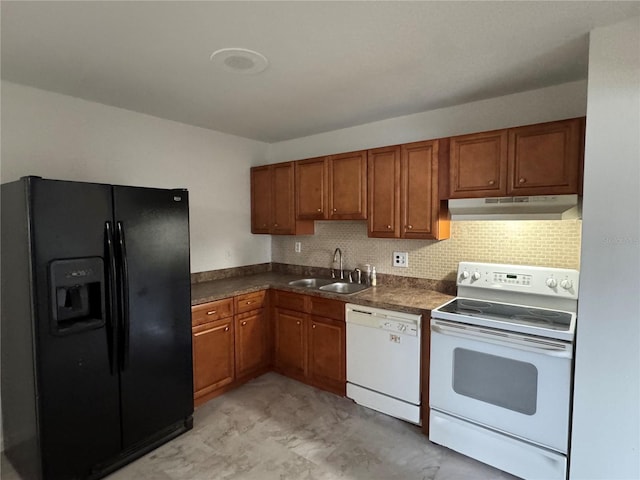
(556,282)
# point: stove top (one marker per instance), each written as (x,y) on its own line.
(531,300)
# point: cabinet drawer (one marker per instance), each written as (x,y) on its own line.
(325,307)
(208,312)
(290,301)
(250,301)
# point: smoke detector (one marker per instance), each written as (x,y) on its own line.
(240,60)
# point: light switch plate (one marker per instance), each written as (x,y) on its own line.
(400,259)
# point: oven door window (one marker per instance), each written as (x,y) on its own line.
(500,381)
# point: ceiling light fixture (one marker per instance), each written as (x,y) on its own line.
(240,60)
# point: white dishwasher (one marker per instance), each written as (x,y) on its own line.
(383,361)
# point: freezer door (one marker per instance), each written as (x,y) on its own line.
(152,238)
(77,391)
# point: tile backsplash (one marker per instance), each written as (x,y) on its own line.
(543,243)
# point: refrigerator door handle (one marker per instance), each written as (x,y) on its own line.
(124,296)
(112,298)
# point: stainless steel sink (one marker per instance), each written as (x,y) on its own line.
(311,282)
(343,287)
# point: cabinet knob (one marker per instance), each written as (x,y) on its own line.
(313,326)
(226,329)
(388,227)
(335,209)
(298,322)
(522,180)
(409,227)
(249,302)
(264,224)
(244,323)
(319,209)
(492,182)
(275,224)
(211,312)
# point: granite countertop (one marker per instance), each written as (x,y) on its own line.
(400,298)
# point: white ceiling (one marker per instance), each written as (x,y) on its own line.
(332,64)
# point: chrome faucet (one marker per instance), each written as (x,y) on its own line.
(337,253)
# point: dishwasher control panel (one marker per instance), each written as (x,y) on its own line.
(391,321)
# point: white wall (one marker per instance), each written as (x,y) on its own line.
(535,106)
(57,136)
(606,418)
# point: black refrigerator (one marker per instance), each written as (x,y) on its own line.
(95,326)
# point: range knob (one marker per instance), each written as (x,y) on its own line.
(552,283)
(475,276)
(566,284)
(465,275)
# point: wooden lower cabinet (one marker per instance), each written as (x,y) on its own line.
(327,354)
(230,343)
(304,338)
(213,356)
(310,343)
(290,343)
(251,343)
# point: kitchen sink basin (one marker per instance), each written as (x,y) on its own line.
(343,287)
(311,282)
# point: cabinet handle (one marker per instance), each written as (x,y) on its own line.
(313,326)
(298,322)
(522,180)
(492,182)
(211,312)
(244,323)
(409,227)
(226,329)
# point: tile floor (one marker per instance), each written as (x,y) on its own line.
(277,428)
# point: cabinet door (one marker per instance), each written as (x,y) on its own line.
(251,342)
(420,200)
(383,178)
(544,159)
(478,165)
(311,189)
(213,356)
(327,354)
(260,200)
(348,186)
(283,199)
(290,343)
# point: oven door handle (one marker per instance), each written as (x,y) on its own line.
(540,345)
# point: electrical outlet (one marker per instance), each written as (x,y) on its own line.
(298,247)
(400,259)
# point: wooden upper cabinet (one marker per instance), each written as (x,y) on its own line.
(403,192)
(261,207)
(347,191)
(273,201)
(541,159)
(545,159)
(423,215)
(311,189)
(383,177)
(478,165)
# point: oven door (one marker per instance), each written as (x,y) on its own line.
(513,383)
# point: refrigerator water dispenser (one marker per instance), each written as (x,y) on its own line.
(77,294)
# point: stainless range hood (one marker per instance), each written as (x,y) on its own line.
(548,207)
